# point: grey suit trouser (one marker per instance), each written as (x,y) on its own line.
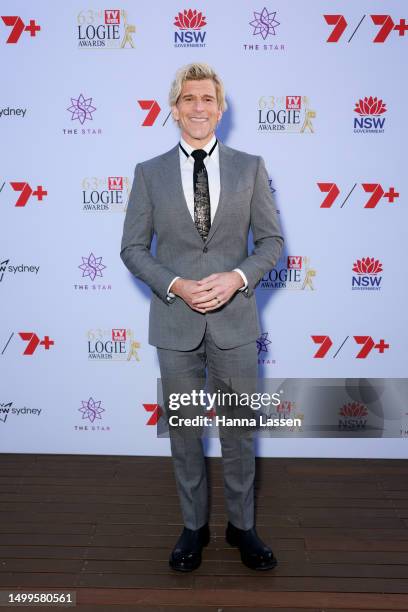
(180,372)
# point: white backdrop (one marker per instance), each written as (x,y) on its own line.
(67,397)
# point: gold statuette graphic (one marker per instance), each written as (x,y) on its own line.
(309,114)
(309,274)
(129,30)
(133,347)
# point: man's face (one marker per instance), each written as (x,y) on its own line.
(197,111)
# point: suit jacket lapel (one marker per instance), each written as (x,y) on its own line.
(227,180)
(174,187)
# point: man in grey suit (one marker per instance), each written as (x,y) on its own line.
(200,199)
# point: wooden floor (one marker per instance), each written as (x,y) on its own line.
(104,527)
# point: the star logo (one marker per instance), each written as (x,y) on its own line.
(264,23)
(91,266)
(91,410)
(81,109)
(262,343)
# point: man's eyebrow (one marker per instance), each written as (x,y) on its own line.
(189,95)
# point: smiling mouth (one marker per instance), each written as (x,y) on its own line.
(198,119)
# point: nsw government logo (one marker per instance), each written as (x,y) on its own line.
(353,416)
(285,114)
(367,274)
(108,194)
(294,272)
(117,344)
(369,120)
(105,29)
(189,31)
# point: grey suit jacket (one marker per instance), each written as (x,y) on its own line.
(157,206)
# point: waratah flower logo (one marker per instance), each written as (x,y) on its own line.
(370,106)
(354,409)
(91,266)
(81,109)
(264,23)
(190,20)
(367,265)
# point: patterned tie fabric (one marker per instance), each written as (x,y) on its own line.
(202,210)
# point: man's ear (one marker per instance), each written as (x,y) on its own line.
(175,113)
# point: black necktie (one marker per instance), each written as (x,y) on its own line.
(202,209)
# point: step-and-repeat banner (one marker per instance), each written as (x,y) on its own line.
(318,89)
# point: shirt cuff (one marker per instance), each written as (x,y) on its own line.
(244,278)
(168,289)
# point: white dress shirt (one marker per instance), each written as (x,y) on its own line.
(212,165)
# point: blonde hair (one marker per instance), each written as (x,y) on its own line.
(197,72)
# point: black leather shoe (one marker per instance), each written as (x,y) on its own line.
(186,555)
(254,553)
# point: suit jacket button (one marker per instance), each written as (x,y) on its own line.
(205,249)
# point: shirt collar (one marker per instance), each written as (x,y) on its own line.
(206,148)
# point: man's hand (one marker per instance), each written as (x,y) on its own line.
(187,290)
(215,290)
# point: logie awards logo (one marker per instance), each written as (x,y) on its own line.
(285,115)
(104,29)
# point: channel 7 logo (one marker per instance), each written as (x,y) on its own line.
(153,110)
(366,342)
(156,411)
(18,26)
(385,22)
(26,192)
(33,342)
(376,191)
